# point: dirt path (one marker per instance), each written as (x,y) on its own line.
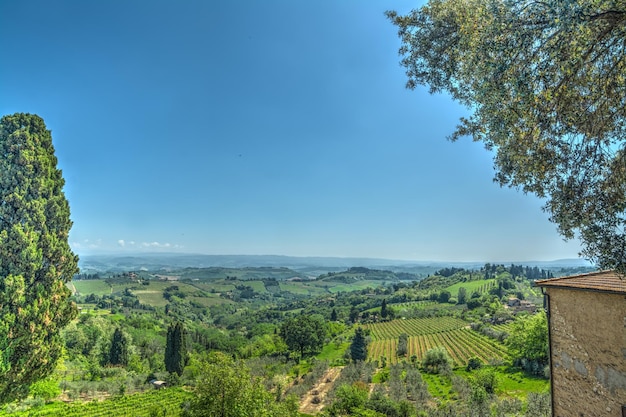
(319,390)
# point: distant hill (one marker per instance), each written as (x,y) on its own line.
(309,266)
(360,273)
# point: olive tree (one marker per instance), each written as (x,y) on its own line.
(545,84)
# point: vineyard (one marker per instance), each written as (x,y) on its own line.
(424,334)
(164,402)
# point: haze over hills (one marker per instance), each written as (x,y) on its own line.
(311,265)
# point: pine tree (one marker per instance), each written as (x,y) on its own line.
(35,258)
(176,349)
(333,315)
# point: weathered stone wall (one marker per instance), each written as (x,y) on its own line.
(588,333)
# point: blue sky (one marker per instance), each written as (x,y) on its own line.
(256,127)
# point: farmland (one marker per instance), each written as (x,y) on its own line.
(152,403)
(451,333)
(243,312)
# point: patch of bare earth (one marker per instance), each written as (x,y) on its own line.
(313,401)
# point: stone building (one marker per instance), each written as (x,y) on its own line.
(587,327)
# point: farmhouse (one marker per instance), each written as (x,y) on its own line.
(587,327)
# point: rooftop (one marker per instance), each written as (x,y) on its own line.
(606,281)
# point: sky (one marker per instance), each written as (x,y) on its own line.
(256,127)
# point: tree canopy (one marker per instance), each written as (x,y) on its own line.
(225,388)
(545,83)
(35,258)
(304,333)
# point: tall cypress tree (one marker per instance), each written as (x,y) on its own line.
(118,354)
(35,258)
(383,309)
(176,349)
(358,347)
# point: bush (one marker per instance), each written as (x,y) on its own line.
(473,363)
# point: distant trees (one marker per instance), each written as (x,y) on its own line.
(176,349)
(358,347)
(304,333)
(35,258)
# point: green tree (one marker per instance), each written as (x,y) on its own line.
(403,342)
(528,342)
(462,296)
(176,349)
(304,333)
(119,350)
(358,347)
(383,309)
(225,388)
(35,258)
(545,85)
(437,360)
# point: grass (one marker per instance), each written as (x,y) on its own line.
(92,286)
(333,352)
(511,383)
(257,286)
(151,297)
(470,286)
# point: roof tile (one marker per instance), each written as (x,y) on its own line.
(608,281)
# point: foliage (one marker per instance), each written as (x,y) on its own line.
(437,361)
(35,258)
(226,389)
(46,389)
(402,348)
(119,351)
(176,349)
(545,83)
(358,347)
(350,400)
(528,341)
(462,296)
(304,333)
(383,309)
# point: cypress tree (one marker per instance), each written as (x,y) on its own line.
(118,353)
(383,310)
(175,349)
(35,258)
(358,347)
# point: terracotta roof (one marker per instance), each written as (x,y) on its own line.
(607,281)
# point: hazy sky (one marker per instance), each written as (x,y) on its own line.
(256,127)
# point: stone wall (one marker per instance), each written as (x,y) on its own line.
(588,337)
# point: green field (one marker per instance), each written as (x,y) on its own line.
(92,286)
(480,286)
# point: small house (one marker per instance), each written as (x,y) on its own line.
(587,329)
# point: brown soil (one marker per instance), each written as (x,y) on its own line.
(319,390)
